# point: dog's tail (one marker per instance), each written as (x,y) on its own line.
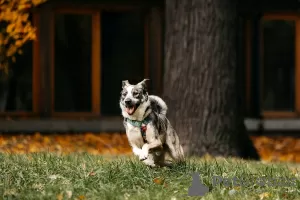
(159,105)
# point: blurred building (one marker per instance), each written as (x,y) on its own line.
(69,79)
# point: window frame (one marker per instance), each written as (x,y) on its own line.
(283,114)
(95,12)
(95,60)
(35,76)
(269,114)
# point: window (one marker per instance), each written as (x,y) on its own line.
(278,85)
(18,91)
(93,50)
(277,71)
(76,66)
(73,63)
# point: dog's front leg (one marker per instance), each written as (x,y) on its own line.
(149,146)
(140,153)
(144,153)
(136,151)
(153,141)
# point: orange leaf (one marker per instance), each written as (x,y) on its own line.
(81,197)
(158,181)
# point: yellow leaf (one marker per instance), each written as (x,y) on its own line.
(20,146)
(23,6)
(10,28)
(24,17)
(11,51)
(264,195)
(59,196)
(18,43)
(37,2)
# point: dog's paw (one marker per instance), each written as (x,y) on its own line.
(137,151)
(149,163)
(143,155)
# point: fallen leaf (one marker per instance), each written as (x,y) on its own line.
(275,148)
(81,197)
(60,196)
(158,181)
(264,195)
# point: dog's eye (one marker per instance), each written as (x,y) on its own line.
(135,93)
(124,93)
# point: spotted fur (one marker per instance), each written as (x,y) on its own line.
(161,138)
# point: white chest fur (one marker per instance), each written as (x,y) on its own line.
(134,135)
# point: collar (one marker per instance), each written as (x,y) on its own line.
(140,124)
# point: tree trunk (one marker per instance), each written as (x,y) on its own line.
(201,84)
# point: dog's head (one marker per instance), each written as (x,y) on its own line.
(133,96)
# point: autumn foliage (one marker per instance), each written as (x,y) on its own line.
(15,28)
(278,148)
(269,148)
(92,143)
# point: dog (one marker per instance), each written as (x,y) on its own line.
(148,130)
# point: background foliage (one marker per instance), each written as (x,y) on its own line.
(15,28)
(270,149)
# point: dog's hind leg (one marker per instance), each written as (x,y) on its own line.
(176,152)
(174,148)
(155,159)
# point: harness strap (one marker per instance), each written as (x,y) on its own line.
(141,124)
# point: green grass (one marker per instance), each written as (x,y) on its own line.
(49,176)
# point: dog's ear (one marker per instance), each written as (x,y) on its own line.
(143,83)
(125,83)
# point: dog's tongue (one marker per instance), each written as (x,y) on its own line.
(130,110)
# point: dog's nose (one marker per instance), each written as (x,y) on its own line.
(128,101)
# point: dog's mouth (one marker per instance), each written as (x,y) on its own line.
(130,109)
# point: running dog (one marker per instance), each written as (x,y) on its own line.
(148,130)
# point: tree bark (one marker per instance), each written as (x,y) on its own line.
(201,85)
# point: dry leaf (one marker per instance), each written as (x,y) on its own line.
(93,143)
(60,196)
(277,148)
(264,195)
(158,181)
(269,148)
(81,197)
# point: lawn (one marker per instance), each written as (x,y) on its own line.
(85,176)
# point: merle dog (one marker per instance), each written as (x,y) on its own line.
(148,130)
